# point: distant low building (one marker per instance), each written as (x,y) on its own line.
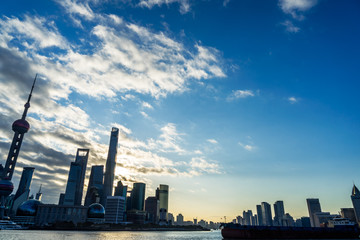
(48,214)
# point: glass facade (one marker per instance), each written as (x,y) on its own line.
(110,165)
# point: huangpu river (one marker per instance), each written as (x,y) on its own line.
(111,235)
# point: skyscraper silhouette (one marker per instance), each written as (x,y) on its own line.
(355,198)
(162,194)
(259,215)
(20,127)
(266,214)
(313,207)
(95,186)
(279,213)
(23,191)
(138,196)
(75,184)
(110,165)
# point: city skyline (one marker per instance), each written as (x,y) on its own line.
(229,103)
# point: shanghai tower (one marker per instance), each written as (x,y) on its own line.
(20,127)
(110,165)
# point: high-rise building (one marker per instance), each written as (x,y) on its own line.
(279,213)
(247,217)
(95,186)
(20,127)
(75,183)
(259,215)
(110,165)
(120,189)
(22,194)
(152,208)
(115,209)
(179,219)
(266,214)
(313,207)
(348,213)
(355,198)
(162,194)
(138,196)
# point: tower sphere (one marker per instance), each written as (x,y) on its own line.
(96,210)
(6,187)
(21,126)
(28,208)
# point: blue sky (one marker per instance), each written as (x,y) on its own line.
(231,103)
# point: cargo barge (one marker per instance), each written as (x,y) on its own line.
(237,231)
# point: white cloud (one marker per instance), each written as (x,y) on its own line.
(248,147)
(290,27)
(296,7)
(236,94)
(33,31)
(199,164)
(74,7)
(293,100)
(146,105)
(168,141)
(213,141)
(184,4)
(145,115)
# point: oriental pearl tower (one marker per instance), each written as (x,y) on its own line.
(20,127)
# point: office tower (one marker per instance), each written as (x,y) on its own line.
(110,165)
(259,215)
(279,213)
(266,214)
(162,194)
(247,215)
(95,186)
(313,207)
(75,183)
(120,190)
(355,198)
(20,127)
(138,196)
(170,219)
(179,219)
(152,208)
(22,194)
(115,209)
(348,213)
(39,194)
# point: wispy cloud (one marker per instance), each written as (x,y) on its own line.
(236,94)
(296,8)
(184,4)
(249,145)
(168,141)
(146,105)
(290,27)
(293,100)
(213,141)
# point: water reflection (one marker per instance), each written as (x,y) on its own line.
(65,235)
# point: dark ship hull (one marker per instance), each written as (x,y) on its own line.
(237,231)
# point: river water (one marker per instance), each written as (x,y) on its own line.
(78,235)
